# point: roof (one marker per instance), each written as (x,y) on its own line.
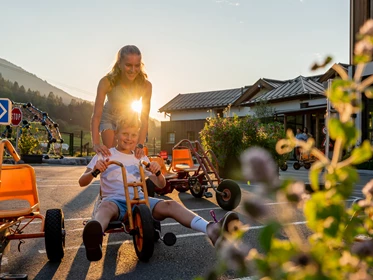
(292,88)
(274,83)
(331,73)
(203,100)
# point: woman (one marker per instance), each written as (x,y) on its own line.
(124,84)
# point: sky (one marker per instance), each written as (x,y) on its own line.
(187,45)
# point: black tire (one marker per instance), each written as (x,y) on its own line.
(197,190)
(150,186)
(143,239)
(54,234)
(307,165)
(157,230)
(296,165)
(233,195)
(181,188)
(284,167)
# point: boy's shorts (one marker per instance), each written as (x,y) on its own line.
(122,204)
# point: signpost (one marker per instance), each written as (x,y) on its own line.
(16,116)
(16,120)
(5,109)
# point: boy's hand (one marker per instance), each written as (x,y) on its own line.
(154,167)
(101,165)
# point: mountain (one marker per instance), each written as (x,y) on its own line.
(14,73)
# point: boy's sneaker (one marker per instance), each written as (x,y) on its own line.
(92,239)
(216,229)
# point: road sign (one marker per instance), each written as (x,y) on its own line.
(324,130)
(5,109)
(16,116)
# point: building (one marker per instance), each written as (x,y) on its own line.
(298,103)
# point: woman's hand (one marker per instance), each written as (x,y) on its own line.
(139,152)
(101,149)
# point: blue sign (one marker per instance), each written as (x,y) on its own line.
(5,111)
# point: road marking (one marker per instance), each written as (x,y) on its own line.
(177,236)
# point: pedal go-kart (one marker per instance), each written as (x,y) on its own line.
(20,206)
(304,159)
(184,175)
(138,221)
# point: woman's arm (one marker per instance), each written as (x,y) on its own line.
(146,99)
(102,89)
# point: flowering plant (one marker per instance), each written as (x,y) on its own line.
(338,242)
(230,136)
(28,142)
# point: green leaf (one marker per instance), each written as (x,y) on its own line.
(347,132)
(362,153)
(267,233)
(314,175)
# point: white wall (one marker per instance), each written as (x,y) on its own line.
(243,111)
(189,115)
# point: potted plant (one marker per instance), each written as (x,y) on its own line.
(28,145)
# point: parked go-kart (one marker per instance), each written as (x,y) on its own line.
(304,159)
(138,221)
(184,175)
(20,206)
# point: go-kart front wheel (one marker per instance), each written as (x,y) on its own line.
(284,166)
(307,165)
(231,197)
(54,234)
(197,189)
(143,237)
(296,165)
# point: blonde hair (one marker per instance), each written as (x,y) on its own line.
(114,74)
(131,121)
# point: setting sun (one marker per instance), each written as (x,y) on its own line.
(136,106)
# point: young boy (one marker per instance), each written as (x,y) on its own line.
(113,205)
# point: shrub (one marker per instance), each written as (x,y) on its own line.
(230,136)
(28,142)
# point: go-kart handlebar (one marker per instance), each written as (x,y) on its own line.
(145,163)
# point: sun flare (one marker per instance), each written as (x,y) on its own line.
(136,106)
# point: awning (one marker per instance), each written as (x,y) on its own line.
(321,108)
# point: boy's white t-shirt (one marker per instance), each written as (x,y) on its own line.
(111,179)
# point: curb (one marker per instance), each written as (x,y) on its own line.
(57,161)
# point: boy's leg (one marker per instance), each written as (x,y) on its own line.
(106,212)
(94,229)
(172,209)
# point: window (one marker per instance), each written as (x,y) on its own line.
(190,135)
(219,112)
(171,137)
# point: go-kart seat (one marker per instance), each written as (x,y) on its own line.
(167,174)
(18,191)
(182,160)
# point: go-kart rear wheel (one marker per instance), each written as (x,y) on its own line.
(284,167)
(54,234)
(307,165)
(231,197)
(157,230)
(143,239)
(197,190)
(150,186)
(296,165)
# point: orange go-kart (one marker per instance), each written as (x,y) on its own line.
(138,221)
(303,159)
(184,175)
(20,206)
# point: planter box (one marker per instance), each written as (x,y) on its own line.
(32,158)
